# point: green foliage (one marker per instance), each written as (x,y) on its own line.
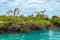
(38,19)
(55,20)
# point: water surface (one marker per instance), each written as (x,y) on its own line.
(33,35)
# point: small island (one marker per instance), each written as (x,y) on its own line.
(15,23)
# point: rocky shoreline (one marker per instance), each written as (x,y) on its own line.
(13,28)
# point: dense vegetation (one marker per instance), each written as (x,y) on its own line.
(38,19)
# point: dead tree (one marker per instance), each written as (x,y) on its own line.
(42,11)
(14,13)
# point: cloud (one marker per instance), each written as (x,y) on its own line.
(49,6)
(38,4)
(36,1)
(30,5)
(3,1)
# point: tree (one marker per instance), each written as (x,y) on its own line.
(15,12)
(42,11)
(55,20)
(10,12)
(54,16)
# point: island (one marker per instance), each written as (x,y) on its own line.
(15,23)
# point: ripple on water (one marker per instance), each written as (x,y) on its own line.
(34,35)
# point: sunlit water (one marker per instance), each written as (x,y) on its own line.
(33,35)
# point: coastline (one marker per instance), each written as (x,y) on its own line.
(13,28)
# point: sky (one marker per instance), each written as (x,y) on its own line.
(27,7)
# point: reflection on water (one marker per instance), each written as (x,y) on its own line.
(33,35)
(50,33)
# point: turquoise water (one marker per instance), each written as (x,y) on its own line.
(33,35)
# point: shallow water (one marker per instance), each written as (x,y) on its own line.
(33,35)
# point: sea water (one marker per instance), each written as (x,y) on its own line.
(33,35)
